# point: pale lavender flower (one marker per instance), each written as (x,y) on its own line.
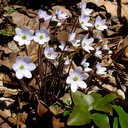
(23,36)
(23,66)
(86,65)
(100,70)
(42,36)
(71,38)
(97,38)
(76,79)
(62,45)
(105,49)
(60,14)
(49,53)
(43,15)
(86,43)
(100,24)
(84,10)
(66,61)
(98,52)
(55,21)
(84,22)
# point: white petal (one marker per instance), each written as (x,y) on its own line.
(16,38)
(19,74)
(21,43)
(87,69)
(18,31)
(31,66)
(19,58)
(84,76)
(78,69)
(81,84)
(74,86)
(27,73)
(15,67)
(68,80)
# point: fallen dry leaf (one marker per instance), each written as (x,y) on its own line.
(56,123)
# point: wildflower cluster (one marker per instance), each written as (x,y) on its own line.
(76,77)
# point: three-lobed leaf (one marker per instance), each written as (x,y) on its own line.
(123,116)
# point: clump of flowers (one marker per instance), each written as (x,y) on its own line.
(23,67)
(49,54)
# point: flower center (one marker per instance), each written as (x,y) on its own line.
(41,36)
(21,67)
(48,54)
(84,44)
(82,22)
(24,37)
(75,78)
(97,25)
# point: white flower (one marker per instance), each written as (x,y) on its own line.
(23,66)
(76,78)
(86,65)
(106,49)
(41,36)
(60,14)
(55,21)
(23,36)
(97,38)
(49,53)
(43,15)
(86,43)
(97,52)
(66,61)
(72,40)
(84,22)
(63,45)
(100,70)
(100,24)
(84,10)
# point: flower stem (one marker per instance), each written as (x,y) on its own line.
(23,85)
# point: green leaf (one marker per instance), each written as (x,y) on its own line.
(103,104)
(115,123)
(101,120)
(123,116)
(81,99)
(79,116)
(96,96)
(66,112)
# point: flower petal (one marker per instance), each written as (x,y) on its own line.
(84,76)
(19,74)
(31,66)
(68,80)
(81,84)
(74,86)
(27,73)
(78,69)
(27,59)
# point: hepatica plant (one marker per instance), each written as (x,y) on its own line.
(59,59)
